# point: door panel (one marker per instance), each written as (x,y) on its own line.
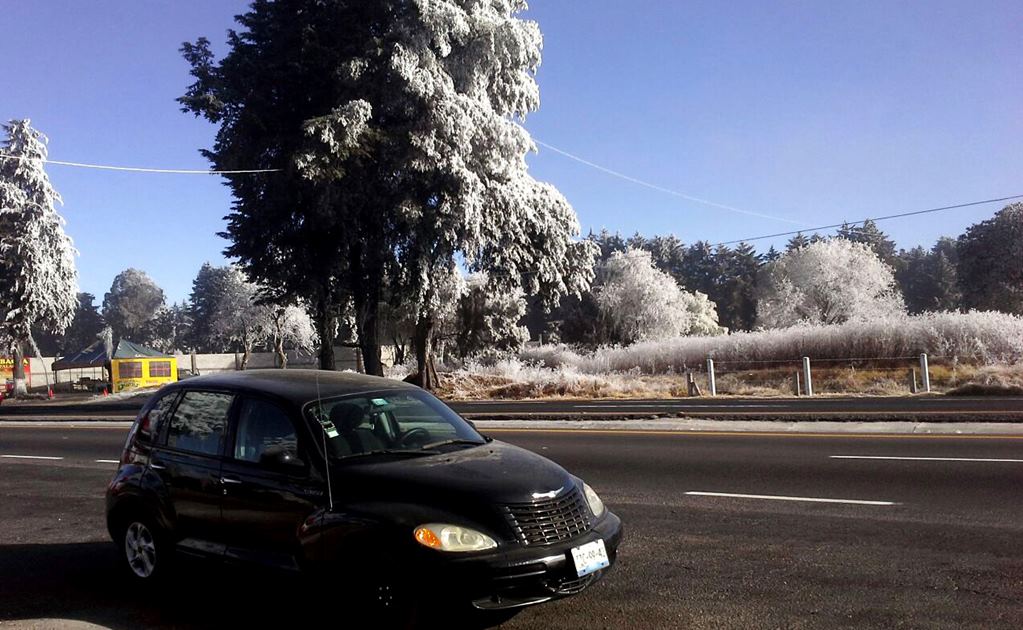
(268,490)
(189,466)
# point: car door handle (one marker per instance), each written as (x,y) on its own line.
(230,480)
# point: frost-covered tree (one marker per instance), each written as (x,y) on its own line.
(38,279)
(397,125)
(131,304)
(170,329)
(990,256)
(489,321)
(469,70)
(827,282)
(639,302)
(238,317)
(290,328)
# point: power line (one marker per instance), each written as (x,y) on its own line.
(136,169)
(875,219)
(662,189)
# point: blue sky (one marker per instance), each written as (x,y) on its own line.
(815,112)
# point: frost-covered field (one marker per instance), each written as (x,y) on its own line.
(867,357)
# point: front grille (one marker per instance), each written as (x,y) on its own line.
(551,520)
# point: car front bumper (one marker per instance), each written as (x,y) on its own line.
(514,576)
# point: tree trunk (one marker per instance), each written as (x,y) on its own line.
(39,355)
(399,351)
(20,387)
(366,310)
(246,353)
(282,356)
(426,376)
(324,320)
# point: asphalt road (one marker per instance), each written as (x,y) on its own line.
(933,408)
(934,543)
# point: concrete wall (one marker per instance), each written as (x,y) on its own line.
(347,359)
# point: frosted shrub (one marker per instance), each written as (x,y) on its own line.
(827,282)
(974,337)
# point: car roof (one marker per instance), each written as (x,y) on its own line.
(296,386)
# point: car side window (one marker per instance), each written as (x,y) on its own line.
(265,435)
(199,422)
(152,423)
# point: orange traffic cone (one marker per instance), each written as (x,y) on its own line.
(49,393)
(104,391)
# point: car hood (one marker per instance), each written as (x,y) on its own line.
(490,473)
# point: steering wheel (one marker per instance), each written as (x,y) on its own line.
(417,434)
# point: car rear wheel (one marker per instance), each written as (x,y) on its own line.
(143,550)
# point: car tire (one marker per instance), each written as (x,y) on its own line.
(144,550)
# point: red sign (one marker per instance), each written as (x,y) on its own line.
(7,370)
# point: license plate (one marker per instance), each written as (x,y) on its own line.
(590,557)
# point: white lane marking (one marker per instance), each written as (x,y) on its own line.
(772,497)
(30,457)
(677,406)
(108,461)
(928,459)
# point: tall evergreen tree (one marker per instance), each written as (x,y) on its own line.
(209,285)
(990,262)
(131,304)
(38,279)
(397,127)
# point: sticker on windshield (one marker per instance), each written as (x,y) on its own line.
(328,428)
(379,402)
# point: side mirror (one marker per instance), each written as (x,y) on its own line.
(281,457)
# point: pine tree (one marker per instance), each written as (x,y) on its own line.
(398,127)
(798,241)
(871,236)
(990,262)
(39,286)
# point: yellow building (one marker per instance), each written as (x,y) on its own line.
(136,373)
(129,366)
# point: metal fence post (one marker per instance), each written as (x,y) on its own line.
(807,383)
(925,375)
(712,387)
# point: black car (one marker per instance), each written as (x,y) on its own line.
(354,479)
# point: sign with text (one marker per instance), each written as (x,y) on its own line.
(7,370)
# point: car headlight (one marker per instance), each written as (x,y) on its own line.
(596,505)
(446,537)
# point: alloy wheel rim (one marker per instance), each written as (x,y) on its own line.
(140,550)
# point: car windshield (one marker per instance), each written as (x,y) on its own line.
(409,422)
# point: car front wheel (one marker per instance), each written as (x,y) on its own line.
(143,550)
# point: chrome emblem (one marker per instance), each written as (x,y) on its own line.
(548,495)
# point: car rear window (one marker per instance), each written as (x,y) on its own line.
(199,422)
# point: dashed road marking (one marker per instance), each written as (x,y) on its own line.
(773,497)
(30,457)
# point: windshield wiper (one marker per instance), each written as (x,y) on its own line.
(453,441)
(389,451)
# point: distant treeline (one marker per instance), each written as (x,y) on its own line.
(981,269)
